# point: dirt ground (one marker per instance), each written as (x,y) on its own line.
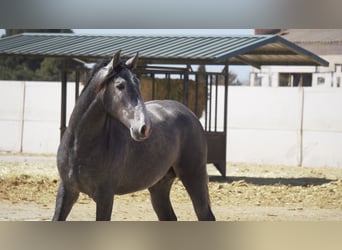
(28,185)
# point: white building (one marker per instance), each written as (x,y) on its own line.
(326,43)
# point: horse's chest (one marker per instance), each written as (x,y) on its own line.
(93,170)
(124,167)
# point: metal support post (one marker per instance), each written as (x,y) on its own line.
(63,103)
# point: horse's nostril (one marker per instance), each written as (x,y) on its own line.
(143,130)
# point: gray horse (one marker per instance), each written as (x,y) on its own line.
(117,144)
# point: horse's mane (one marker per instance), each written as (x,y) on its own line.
(92,72)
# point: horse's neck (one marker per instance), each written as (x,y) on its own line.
(88,117)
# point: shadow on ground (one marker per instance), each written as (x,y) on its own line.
(305,181)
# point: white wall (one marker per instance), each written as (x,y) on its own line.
(11,115)
(289,126)
(263,124)
(30,115)
(322,127)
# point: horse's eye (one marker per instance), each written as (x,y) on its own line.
(120,86)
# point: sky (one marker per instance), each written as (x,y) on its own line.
(166,31)
(241,71)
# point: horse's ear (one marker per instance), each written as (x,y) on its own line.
(114,62)
(133,61)
(116,59)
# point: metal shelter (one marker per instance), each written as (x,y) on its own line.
(170,50)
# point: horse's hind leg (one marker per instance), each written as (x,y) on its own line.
(66,197)
(196,184)
(160,197)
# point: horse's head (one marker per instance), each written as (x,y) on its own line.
(119,91)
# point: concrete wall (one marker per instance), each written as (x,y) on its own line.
(30,115)
(289,126)
(322,127)
(11,115)
(263,125)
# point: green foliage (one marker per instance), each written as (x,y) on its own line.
(11,32)
(17,68)
(50,69)
(30,68)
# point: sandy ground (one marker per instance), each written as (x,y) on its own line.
(28,185)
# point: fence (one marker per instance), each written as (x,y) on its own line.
(289,126)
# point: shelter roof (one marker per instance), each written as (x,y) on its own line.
(234,50)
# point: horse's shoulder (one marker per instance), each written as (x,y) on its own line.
(169,110)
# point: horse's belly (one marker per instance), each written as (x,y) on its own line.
(141,174)
(147,162)
(139,178)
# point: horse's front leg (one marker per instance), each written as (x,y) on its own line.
(104,205)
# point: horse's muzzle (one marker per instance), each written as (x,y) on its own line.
(141,132)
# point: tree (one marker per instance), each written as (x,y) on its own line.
(25,68)
(50,69)
(12,32)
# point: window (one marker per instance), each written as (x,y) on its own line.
(258,81)
(295,79)
(320,80)
(338,82)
